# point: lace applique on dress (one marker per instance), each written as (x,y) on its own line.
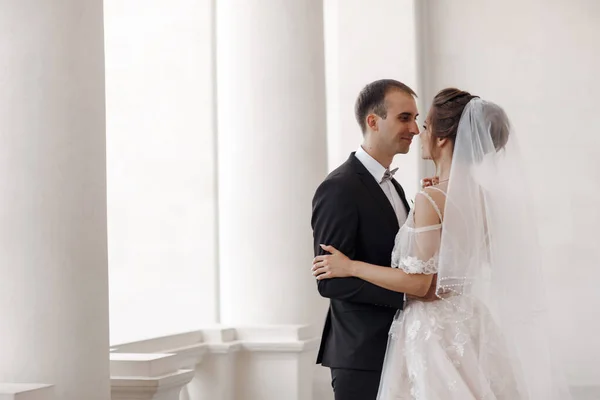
(412,265)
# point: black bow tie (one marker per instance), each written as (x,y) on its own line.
(388,175)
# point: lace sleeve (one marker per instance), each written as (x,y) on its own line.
(417,243)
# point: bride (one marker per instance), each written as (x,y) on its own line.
(484,336)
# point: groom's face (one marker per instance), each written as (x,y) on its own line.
(397,130)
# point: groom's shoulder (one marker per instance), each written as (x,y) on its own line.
(343,173)
(341,180)
(345,170)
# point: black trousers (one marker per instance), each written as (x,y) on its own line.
(352,384)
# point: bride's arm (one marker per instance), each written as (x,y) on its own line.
(392,278)
(337,265)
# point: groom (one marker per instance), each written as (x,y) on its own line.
(358,209)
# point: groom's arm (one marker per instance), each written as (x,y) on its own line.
(335,223)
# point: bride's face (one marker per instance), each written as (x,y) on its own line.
(425,137)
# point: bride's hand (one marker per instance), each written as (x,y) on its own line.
(334,265)
(432,181)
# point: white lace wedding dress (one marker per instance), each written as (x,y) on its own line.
(434,355)
(487,337)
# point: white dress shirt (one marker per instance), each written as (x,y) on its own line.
(378,170)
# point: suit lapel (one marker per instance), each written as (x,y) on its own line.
(381,201)
(400,191)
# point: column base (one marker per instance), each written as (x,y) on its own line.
(148,376)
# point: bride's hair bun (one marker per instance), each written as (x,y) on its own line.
(499,124)
(448,106)
(447,109)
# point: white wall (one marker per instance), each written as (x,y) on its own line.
(161,185)
(540,66)
(539,59)
(363,44)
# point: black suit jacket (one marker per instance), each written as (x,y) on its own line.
(353,214)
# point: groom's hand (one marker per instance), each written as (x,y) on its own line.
(430,296)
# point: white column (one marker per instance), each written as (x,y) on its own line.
(361,50)
(53,268)
(271,157)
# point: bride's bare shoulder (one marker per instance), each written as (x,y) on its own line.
(429,205)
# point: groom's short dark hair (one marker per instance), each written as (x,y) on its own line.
(371,99)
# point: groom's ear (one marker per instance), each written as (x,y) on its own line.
(372,122)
